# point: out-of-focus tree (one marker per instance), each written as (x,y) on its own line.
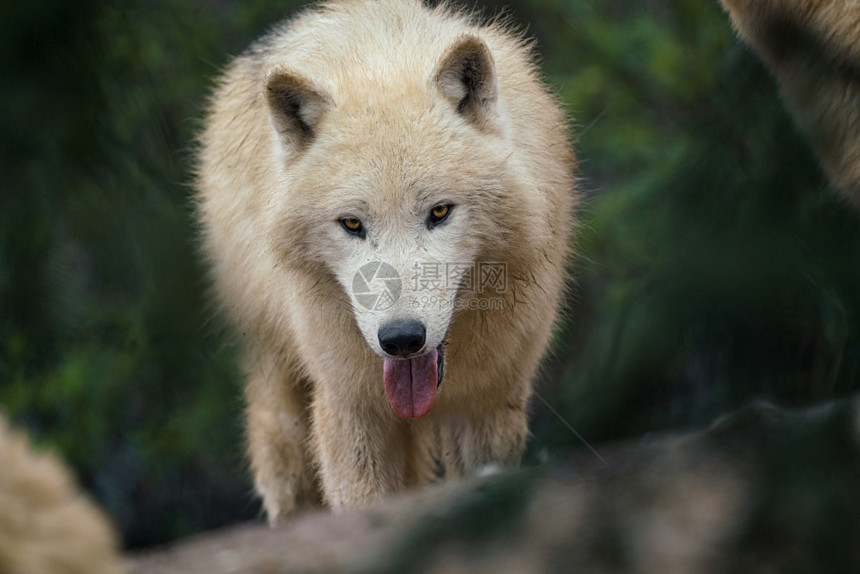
(716,265)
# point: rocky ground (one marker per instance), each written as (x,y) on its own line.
(764,490)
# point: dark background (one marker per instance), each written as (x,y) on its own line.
(715,264)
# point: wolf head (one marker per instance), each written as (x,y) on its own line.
(397,182)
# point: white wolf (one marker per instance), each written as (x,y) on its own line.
(386,191)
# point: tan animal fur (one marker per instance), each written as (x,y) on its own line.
(47,526)
(379,111)
(813,47)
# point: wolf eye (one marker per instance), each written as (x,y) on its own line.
(353,226)
(439,214)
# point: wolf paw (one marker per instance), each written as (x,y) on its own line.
(279,500)
(490,469)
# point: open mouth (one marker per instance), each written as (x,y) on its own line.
(411,384)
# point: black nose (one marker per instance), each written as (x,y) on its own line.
(402,338)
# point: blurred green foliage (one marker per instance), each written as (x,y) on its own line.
(107,349)
(715,265)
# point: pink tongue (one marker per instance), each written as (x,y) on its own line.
(411,384)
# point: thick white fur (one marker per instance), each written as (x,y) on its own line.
(46,524)
(813,48)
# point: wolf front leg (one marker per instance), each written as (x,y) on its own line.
(361,457)
(277,427)
(496,437)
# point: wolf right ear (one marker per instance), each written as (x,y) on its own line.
(296,107)
(467,78)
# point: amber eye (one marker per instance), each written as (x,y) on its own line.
(353,226)
(438,214)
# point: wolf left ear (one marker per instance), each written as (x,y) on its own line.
(467,78)
(296,107)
